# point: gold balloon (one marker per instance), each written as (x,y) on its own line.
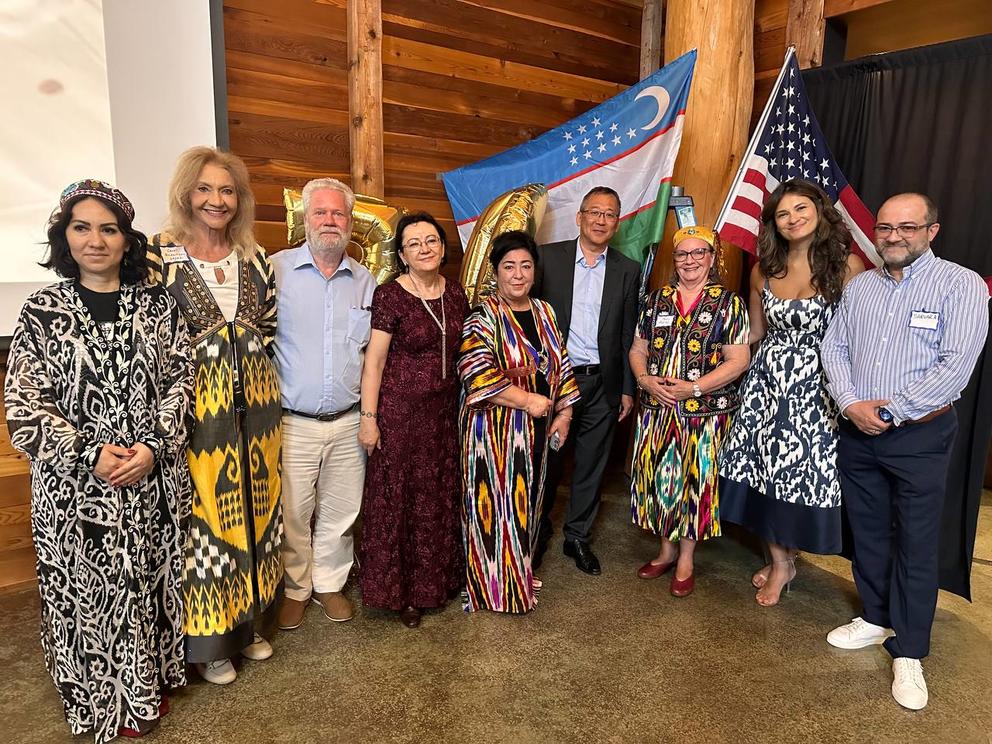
(518,209)
(373,232)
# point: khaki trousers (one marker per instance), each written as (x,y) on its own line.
(323,473)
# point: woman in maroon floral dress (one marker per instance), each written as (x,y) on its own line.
(411,549)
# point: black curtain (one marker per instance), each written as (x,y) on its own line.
(919,120)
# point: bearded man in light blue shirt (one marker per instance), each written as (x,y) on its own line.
(898,353)
(324,301)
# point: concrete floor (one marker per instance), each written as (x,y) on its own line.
(609,658)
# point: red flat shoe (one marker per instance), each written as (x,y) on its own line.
(653,570)
(163,705)
(683,587)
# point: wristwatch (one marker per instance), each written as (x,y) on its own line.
(696,391)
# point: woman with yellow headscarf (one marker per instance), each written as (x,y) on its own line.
(689,349)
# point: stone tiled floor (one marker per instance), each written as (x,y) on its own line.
(612,659)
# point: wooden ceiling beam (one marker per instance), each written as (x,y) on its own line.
(832,8)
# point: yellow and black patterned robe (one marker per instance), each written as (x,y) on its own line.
(233,563)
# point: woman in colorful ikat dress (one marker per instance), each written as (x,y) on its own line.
(98,393)
(223,282)
(779,461)
(411,545)
(519,392)
(689,349)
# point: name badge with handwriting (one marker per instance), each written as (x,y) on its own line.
(664,320)
(173,253)
(925,320)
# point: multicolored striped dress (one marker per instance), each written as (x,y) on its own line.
(674,474)
(233,563)
(502,469)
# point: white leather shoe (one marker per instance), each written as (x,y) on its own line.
(258,650)
(220,672)
(858,633)
(908,686)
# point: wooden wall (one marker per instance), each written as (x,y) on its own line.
(16,549)
(462,80)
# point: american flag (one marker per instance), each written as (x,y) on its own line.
(786,144)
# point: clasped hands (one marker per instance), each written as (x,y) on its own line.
(124,466)
(667,390)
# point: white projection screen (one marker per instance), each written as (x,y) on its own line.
(113,90)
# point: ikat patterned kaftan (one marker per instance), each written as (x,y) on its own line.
(673,488)
(109,559)
(501,510)
(233,562)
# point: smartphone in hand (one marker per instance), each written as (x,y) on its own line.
(555,442)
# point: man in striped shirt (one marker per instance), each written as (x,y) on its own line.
(897,354)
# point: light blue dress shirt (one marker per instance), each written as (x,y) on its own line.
(587,297)
(323,328)
(913,342)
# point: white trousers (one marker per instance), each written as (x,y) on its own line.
(323,473)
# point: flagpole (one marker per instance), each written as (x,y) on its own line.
(753,143)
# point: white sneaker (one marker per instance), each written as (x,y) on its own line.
(220,672)
(908,686)
(858,633)
(258,650)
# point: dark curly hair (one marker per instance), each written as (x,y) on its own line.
(827,253)
(510,241)
(134,263)
(412,219)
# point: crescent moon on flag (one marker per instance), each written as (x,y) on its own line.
(660,95)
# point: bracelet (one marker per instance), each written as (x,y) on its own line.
(643,374)
(368,414)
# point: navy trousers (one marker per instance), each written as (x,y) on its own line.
(893,487)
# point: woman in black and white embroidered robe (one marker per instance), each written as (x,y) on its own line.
(109,557)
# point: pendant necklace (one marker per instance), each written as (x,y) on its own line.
(440,324)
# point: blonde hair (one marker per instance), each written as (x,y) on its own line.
(333,184)
(240,230)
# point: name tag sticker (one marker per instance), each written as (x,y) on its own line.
(921,319)
(173,253)
(664,320)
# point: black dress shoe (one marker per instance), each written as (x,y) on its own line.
(410,617)
(585,560)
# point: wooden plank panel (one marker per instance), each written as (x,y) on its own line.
(457,25)
(17,568)
(15,536)
(429,58)
(291,69)
(770,14)
(833,8)
(269,86)
(290,18)
(769,50)
(323,145)
(14,515)
(15,489)
(237,105)
(255,34)
(456,126)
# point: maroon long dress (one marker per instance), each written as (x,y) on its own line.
(411,549)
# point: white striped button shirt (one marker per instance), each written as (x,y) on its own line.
(881,346)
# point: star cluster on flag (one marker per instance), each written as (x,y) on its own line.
(592,139)
(793,144)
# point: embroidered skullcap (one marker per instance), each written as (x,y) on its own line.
(100,190)
(695,231)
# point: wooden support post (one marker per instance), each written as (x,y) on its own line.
(804,27)
(652,19)
(365,97)
(719,108)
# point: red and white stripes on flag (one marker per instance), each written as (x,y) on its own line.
(788,143)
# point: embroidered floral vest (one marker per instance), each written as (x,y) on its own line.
(700,340)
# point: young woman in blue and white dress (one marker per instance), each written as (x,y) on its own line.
(778,464)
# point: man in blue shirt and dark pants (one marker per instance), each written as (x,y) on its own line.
(593,291)
(897,354)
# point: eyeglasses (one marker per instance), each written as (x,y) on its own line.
(431,242)
(696,253)
(599,214)
(905,230)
